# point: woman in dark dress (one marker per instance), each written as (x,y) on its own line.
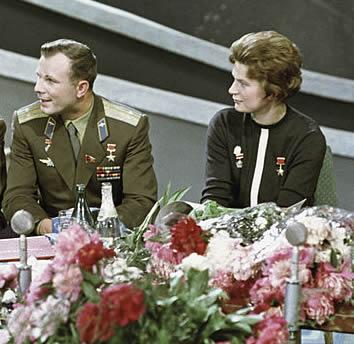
(262,149)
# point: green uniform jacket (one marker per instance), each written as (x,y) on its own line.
(42,173)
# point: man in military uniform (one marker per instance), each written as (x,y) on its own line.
(71,136)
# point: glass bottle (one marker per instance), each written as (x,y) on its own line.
(82,214)
(108,221)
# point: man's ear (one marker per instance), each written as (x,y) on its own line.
(82,88)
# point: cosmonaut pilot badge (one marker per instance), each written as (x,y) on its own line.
(238,156)
(280,163)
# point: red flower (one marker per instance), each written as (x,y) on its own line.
(187,237)
(271,330)
(93,325)
(91,253)
(123,303)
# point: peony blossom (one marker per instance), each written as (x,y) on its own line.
(186,237)
(68,282)
(69,242)
(123,303)
(93,325)
(194,261)
(47,317)
(37,289)
(318,305)
(8,276)
(19,323)
(272,330)
(90,254)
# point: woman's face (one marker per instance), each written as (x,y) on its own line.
(248,94)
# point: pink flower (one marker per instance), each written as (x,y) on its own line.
(271,330)
(338,284)
(68,282)
(37,289)
(152,246)
(264,295)
(19,323)
(70,241)
(318,305)
(8,276)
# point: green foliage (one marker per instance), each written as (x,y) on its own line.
(132,245)
(185,311)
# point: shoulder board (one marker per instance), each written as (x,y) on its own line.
(121,112)
(29,112)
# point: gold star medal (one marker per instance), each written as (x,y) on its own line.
(111,148)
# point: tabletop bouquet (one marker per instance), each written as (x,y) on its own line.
(215,275)
(89,294)
(248,256)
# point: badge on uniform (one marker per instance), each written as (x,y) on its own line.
(105,173)
(102,129)
(111,148)
(47,161)
(280,163)
(48,132)
(239,156)
(89,159)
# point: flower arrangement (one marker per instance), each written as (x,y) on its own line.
(88,294)
(256,272)
(186,281)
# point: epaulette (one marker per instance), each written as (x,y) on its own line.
(29,112)
(121,112)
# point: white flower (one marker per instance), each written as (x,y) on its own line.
(9,296)
(260,222)
(4,336)
(119,272)
(195,261)
(47,317)
(318,229)
(220,252)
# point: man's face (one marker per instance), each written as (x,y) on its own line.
(248,94)
(55,90)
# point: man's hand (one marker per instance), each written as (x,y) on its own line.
(44,227)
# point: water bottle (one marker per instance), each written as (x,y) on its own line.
(108,222)
(82,214)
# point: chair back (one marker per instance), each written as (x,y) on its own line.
(326,191)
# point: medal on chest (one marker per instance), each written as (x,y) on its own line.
(280,163)
(238,156)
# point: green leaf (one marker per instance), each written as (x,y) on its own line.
(94,279)
(90,292)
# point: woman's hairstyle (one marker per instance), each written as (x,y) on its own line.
(272,59)
(83,61)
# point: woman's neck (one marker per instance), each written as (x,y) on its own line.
(271,115)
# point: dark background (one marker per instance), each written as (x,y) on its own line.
(322,29)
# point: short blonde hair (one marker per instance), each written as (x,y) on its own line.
(272,59)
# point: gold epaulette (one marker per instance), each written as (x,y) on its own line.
(121,112)
(29,112)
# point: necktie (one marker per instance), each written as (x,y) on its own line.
(75,142)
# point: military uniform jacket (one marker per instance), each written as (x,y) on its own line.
(43,172)
(249,163)
(2,168)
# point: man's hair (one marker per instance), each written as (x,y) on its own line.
(272,59)
(83,60)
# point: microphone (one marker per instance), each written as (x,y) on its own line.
(296,234)
(22,223)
